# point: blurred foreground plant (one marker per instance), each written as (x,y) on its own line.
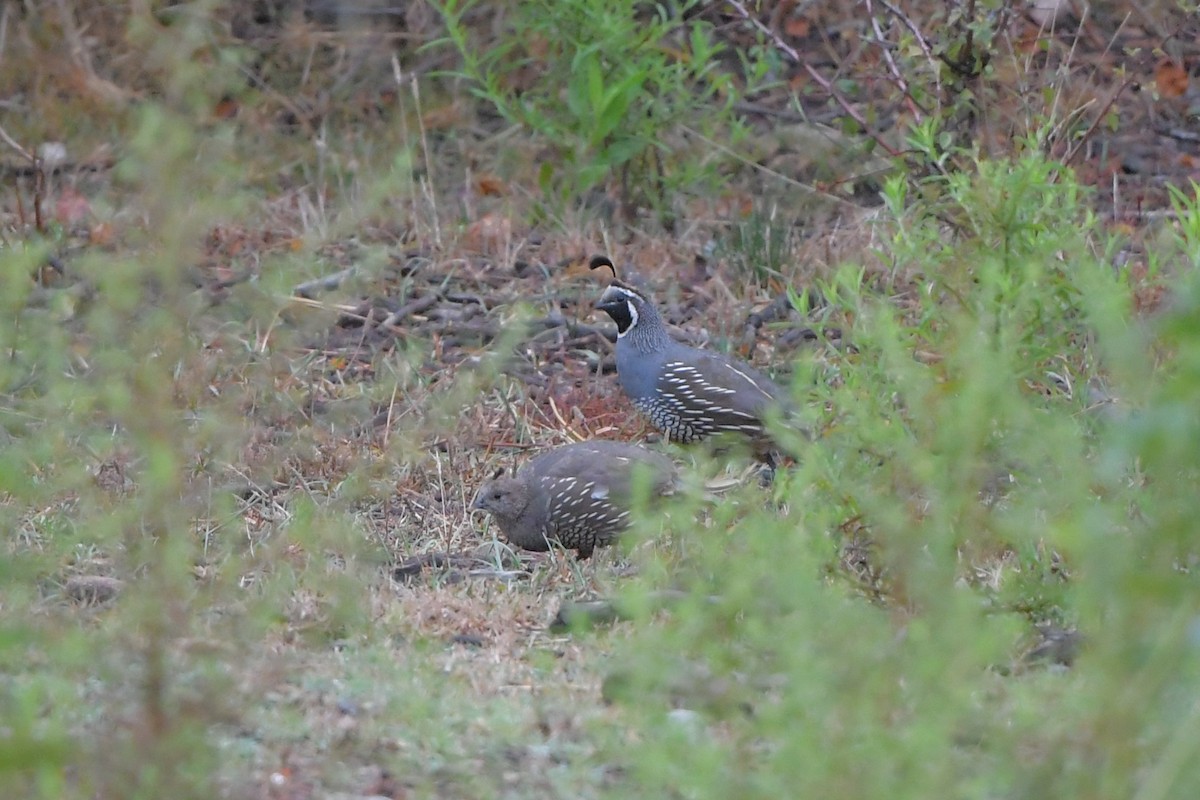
(967,484)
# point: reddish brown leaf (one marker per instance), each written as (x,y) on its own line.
(1170,78)
(797,27)
(489,233)
(797,82)
(490,185)
(442,118)
(101,234)
(227,108)
(735,205)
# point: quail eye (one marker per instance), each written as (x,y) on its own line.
(496,495)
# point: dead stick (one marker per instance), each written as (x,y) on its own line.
(324,284)
(412,307)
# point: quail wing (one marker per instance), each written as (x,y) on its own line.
(732,396)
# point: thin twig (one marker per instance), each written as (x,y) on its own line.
(387,430)
(969,47)
(339,307)
(917,109)
(916,32)
(781,114)
(1075,150)
(821,80)
(303,116)
(1065,72)
(39,191)
(768,171)
(20,208)
(11,142)
(426,182)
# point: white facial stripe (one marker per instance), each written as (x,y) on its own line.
(633,318)
(622,293)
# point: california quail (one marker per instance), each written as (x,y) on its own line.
(687,393)
(577,495)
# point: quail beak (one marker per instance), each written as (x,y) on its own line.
(477,504)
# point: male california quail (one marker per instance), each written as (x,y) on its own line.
(687,393)
(577,494)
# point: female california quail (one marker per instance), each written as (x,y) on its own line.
(577,494)
(687,393)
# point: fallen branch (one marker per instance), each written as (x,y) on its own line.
(574,615)
(325,284)
(421,304)
(457,565)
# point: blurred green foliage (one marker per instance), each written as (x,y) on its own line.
(104,371)
(987,496)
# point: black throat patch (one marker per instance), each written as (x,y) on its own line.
(620,304)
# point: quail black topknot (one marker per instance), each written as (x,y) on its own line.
(687,393)
(577,495)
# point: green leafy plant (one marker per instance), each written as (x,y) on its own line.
(1187,211)
(611,83)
